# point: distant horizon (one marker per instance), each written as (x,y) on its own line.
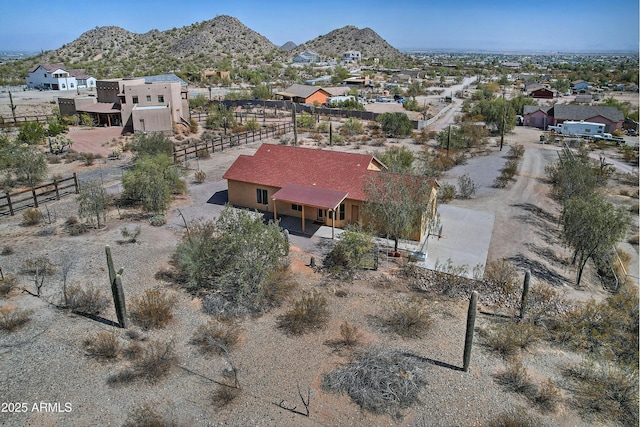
(462,25)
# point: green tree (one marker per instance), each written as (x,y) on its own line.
(339,74)
(92,202)
(397,159)
(28,163)
(576,177)
(151,144)
(561,85)
(396,204)
(198,102)
(395,124)
(261,91)
(353,126)
(56,127)
(152,181)
(451,138)
(31,133)
(234,256)
(305,121)
(351,252)
(220,116)
(591,226)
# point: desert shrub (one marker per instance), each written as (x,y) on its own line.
(516,378)
(503,274)
(154,309)
(409,318)
(635,208)
(309,312)
(446,193)
(516,151)
(103,345)
(547,396)
(219,306)
(88,158)
(466,187)
(74,227)
(352,251)
(216,337)
(199,176)
(349,334)
(515,418)
(130,236)
(224,395)
(508,338)
(145,416)
(252,125)
(32,216)
(6,285)
(379,380)
(156,361)
(323,127)
(89,300)
(634,239)
(157,220)
(203,153)
(151,144)
(305,121)
(352,126)
(11,318)
(278,285)
(6,250)
(605,390)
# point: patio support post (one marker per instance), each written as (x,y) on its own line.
(333,224)
(302,219)
(275,215)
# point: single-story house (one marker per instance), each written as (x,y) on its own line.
(584,99)
(579,85)
(536,90)
(317,185)
(541,116)
(304,94)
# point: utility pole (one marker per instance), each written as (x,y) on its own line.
(13,109)
(504,114)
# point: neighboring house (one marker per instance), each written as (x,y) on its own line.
(307,57)
(316,185)
(579,85)
(215,73)
(304,94)
(51,77)
(351,56)
(584,99)
(536,90)
(145,104)
(318,80)
(84,80)
(359,81)
(541,117)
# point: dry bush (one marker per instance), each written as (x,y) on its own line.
(409,318)
(145,416)
(379,380)
(11,318)
(74,227)
(7,250)
(466,187)
(154,309)
(133,351)
(635,208)
(446,193)
(508,338)
(516,151)
(87,300)
(224,395)
(104,345)
(7,284)
(199,176)
(634,239)
(605,391)
(130,236)
(503,274)
(309,312)
(516,378)
(279,286)
(216,337)
(32,216)
(547,397)
(156,361)
(350,334)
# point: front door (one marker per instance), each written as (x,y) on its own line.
(355,214)
(320,215)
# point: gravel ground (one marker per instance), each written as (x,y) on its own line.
(45,361)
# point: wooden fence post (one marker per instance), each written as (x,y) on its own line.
(35,198)
(9,203)
(55,184)
(75,181)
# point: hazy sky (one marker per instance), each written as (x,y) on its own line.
(492,25)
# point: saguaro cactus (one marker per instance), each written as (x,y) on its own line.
(295,126)
(471,321)
(525,293)
(115,279)
(330,133)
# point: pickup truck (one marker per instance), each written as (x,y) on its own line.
(608,137)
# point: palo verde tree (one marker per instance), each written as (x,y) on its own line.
(151,144)
(395,124)
(591,226)
(397,204)
(92,202)
(234,256)
(397,159)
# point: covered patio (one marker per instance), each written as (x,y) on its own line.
(308,196)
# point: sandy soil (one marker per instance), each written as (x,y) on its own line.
(45,360)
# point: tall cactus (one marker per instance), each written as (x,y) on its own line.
(525,293)
(330,133)
(471,321)
(115,279)
(295,126)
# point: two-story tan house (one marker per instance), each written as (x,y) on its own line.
(318,185)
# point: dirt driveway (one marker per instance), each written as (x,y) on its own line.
(94,140)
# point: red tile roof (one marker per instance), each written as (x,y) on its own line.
(278,165)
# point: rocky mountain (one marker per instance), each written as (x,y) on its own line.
(288,46)
(115,52)
(365,40)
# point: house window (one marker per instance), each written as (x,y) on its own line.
(71,85)
(148,98)
(342,212)
(296,208)
(134,100)
(261,197)
(63,86)
(160,98)
(320,213)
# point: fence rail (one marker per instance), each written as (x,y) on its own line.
(9,121)
(11,203)
(206,147)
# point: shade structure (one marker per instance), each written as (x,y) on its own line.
(309,195)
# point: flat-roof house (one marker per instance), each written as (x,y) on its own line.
(144,104)
(351,56)
(304,94)
(308,183)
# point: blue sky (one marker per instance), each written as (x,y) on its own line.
(490,25)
